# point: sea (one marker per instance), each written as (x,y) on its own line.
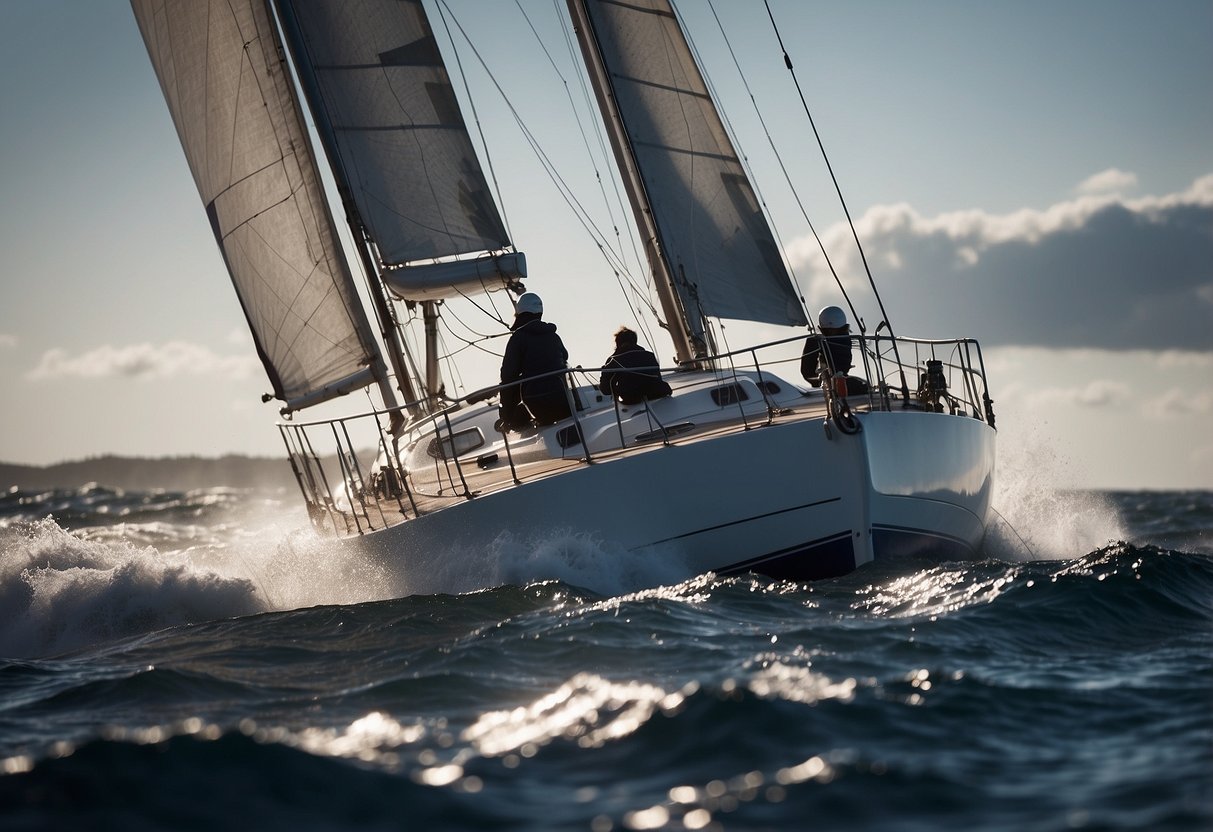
(167,663)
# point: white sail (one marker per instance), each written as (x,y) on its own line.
(386,109)
(222,72)
(719,247)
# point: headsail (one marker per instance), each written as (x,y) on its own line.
(387,111)
(222,72)
(719,248)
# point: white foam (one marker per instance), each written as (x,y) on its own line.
(59,591)
(1038,516)
(302,569)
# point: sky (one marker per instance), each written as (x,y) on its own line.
(1037,175)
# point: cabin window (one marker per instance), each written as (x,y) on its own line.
(456,445)
(729,394)
(770,388)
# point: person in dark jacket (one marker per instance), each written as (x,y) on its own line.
(632,373)
(830,350)
(534,348)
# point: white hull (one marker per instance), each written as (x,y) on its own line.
(791,500)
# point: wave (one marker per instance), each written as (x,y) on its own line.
(120,564)
(60,591)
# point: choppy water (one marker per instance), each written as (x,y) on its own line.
(168,666)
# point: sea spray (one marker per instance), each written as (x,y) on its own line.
(1036,517)
(59,591)
(303,569)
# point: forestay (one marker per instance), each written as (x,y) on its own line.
(221,69)
(715,237)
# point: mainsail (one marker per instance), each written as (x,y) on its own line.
(721,255)
(387,112)
(224,78)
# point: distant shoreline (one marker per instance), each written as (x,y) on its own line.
(181,473)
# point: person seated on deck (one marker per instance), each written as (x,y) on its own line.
(534,348)
(631,372)
(831,350)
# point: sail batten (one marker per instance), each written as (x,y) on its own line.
(220,68)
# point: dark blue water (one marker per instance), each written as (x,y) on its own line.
(168,666)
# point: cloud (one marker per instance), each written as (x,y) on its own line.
(1096,271)
(7,341)
(1200,361)
(142,361)
(1111,180)
(1177,403)
(1094,394)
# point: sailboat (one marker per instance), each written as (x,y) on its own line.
(746,466)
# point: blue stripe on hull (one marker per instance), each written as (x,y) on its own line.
(896,542)
(825,558)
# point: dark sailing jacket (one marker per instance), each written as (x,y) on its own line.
(534,348)
(621,378)
(838,356)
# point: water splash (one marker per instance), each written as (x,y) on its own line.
(60,591)
(1037,516)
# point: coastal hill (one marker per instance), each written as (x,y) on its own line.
(182,473)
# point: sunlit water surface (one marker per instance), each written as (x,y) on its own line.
(171,664)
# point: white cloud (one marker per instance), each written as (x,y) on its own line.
(7,341)
(142,361)
(1176,403)
(1112,180)
(1199,361)
(1095,271)
(1094,394)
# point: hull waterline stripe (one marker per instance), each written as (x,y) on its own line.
(827,557)
(884,546)
(781,553)
(738,522)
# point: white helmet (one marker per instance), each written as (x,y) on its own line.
(832,317)
(529,302)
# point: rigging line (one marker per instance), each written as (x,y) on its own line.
(1031,551)
(620,269)
(573,107)
(616,259)
(787,177)
(488,293)
(549,167)
(443,11)
(472,330)
(591,107)
(837,188)
(452,368)
(593,164)
(791,187)
(469,343)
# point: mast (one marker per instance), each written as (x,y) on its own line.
(688,345)
(710,247)
(433,375)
